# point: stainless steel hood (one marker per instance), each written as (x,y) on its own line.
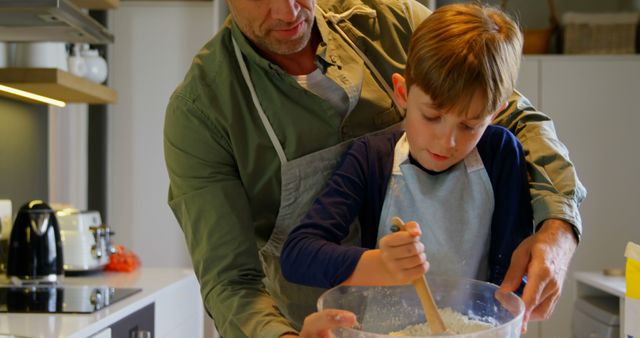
(49,20)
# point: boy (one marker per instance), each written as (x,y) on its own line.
(464,180)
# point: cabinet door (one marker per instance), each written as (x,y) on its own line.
(135,324)
(106,333)
(593,101)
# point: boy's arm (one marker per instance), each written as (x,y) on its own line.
(511,223)
(556,191)
(312,254)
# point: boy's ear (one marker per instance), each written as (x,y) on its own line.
(400,90)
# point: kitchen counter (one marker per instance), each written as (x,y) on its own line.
(174,293)
(595,283)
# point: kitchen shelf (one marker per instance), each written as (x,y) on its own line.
(56,84)
(97,4)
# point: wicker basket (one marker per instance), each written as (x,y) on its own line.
(600,33)
(536,41)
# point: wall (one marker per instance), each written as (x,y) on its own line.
(535,14)
(155,43)
(68,156)
(23,152)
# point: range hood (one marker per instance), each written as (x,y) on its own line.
(49,20)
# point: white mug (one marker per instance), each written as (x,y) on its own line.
(76,62)
(4,54)
(41,55)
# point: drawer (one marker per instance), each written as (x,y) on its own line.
(140,324)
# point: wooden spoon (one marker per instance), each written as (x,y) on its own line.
(424,293)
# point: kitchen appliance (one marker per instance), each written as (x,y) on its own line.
(49,20)
(35,247)
(86,241)
(5,232)
(60,299)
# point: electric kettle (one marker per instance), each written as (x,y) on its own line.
(35,246)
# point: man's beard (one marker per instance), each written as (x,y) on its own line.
(286,47)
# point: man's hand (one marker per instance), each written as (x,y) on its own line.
(544,257)
(320,324)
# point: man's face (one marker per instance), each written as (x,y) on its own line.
(275,26)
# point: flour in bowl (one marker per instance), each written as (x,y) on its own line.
(455,322)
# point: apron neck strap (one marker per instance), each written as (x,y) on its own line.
(334,19)
(256,103)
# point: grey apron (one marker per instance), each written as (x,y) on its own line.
(454,210)
(303,179)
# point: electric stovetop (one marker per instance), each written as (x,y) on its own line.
(60,298)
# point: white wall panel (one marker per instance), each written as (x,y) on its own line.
(68,146)
(155,43)
(593,102)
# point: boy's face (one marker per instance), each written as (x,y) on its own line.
(438,139)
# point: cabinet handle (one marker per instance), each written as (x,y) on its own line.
(140,334)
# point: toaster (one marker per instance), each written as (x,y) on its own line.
(86,241)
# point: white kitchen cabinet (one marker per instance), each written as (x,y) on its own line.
(593,101)
(106,333)
(596,284)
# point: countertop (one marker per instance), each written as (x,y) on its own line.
(614,285)
(156,283)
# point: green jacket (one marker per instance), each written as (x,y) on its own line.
(225,174)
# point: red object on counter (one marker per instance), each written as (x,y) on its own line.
(123,260)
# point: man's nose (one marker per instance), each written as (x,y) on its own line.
(285,10)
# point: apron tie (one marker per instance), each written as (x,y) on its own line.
(363,10)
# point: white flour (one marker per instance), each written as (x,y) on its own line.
(455,322)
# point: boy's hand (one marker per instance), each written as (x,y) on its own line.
(403,254)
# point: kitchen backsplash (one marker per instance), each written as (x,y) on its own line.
(23,151)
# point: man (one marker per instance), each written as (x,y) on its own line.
(262,116)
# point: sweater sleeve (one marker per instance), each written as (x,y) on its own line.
(220,239)
(512,221)
(556,191)
(312,254)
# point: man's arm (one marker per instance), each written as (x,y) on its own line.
(211,206)
(556,194)
(556,191)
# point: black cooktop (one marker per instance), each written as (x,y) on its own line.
(60,299)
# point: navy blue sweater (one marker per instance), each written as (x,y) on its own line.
(312,254)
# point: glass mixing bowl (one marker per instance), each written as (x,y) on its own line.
(384,309)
